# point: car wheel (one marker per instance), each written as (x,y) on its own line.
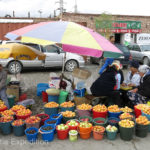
(14,67)
(70,65)
(146,61)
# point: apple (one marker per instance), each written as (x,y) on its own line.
(62,127)
(111,128)
(85,125)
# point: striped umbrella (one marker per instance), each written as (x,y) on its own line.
(74,38)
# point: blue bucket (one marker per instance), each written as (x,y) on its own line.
(6,127)
(54,124)
(59,117)
(111,135)
(31,137)
(114,114)
(41,87)
(19,130)
(113,123)
(51,111)
(148,117)
(47,136)
(53,98)
(62,109)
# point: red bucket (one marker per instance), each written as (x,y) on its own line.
(5,108)
(73,127)
(137,112)
(44,97)
(43,120)
(99,114)
(23,117)
(62,134)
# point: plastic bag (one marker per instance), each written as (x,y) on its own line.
(26,102)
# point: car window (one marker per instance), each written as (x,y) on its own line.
(51,49)
(36,46)
(122,48)
(130,47)
(145,47)
(136,48)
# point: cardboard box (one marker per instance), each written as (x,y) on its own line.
(13,90)
(81,74)
(81,100)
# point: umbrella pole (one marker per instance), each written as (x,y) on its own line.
(64,60)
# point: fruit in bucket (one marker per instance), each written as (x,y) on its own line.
(85,119)
(126,123)
(23,112)
(114,108)
(3,106)
(6,118)
(111,128)
(85,125)
(142,106)
(18,122)
(73,123)
(32,120)
(84,107)
(62,127)
(147,111)
(98,129)
(17,108)
(7,113)
(68,114)
(126,109)
(100,108)
(67,104)
(126,116)
(142,120)
(1,102)
(51,105)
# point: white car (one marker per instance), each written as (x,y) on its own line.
(54,58)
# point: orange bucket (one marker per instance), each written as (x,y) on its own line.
(98,135)
(85,130)
(85,135)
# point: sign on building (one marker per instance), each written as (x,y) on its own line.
(143,38)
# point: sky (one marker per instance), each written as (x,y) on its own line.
(123,7)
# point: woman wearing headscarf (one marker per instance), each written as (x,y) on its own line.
(141,94)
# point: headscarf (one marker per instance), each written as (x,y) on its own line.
(144,69)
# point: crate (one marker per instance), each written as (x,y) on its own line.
(13,90)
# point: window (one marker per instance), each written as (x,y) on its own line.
(136,48)
(130,47)
(36,46)
(51,49)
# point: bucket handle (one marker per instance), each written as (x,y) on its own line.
(44,132)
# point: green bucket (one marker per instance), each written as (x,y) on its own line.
(126,134)
(62,96)
(111,135)
(86,117)
(141,130)
(11,101)
(100,121)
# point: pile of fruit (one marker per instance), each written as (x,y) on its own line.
(32,120)
(98,129)
(111,128)
(114,108)
(7,113)
(85,124)
(17,108)
(126,123)
(51,105)
(62,127)
(6,119)
(126,109)
(18,122)
(142,120)
(3,106)
(73,123)
(141,106)
(84,107)
(126,116)
(67,104)
(23,112)
(68,114)
(147,111)
(100,108)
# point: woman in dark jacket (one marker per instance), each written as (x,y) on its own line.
(141,94)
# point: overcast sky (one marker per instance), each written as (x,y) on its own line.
(126,7)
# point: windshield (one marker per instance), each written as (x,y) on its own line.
(145,47)
(122,48)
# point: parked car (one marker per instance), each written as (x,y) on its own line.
(140,53)
(124,59)
(54,58)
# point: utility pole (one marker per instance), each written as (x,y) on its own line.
(75,7)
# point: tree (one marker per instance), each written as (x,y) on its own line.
(104,24)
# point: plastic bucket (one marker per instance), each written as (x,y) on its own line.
(98,135)
(36,125)
(141,130)
(86,118)
(111,135)
(51,111)
(11,101)
(62,134)
(85,135)
(62,96)
(31,137)
(44,97)
(113,121)
(6,127)
(1,110)
(46,116)
(48,122)
(19,130)
(148,117)
(72,127)
(137,112)
(53,98)
(100,121)
(47,136)
(114,114)
(65,119)
(99,114)
(62,109)
(73,136)
(84,112)
(23,117)
(126,134)
(84,130)
(57,117)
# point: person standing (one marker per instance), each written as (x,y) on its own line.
(3,80)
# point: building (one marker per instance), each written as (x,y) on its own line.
(126,28)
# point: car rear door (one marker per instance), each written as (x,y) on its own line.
(54,56)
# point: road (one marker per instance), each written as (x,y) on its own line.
(30,79)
